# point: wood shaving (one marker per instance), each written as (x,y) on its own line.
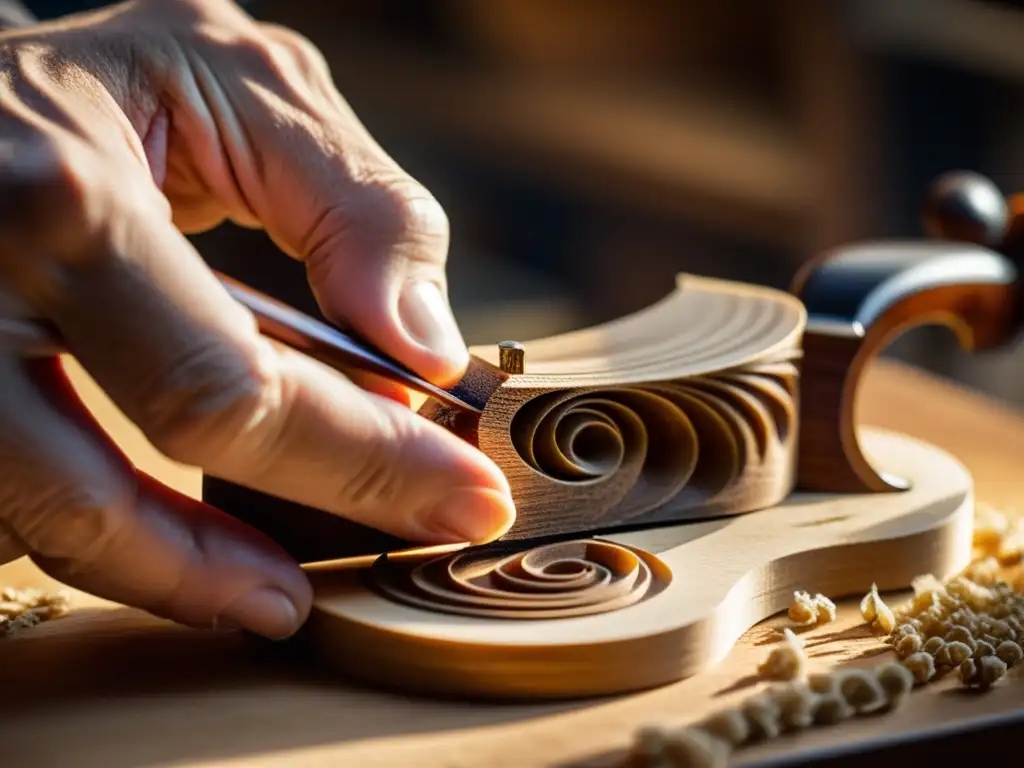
(921,665)
(972,623)
(808,611)
(22,609)
(1011,547)
(876,612)
(908,644)
(785,662)
(1010,653)
(990,527)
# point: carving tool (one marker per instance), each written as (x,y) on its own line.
(283,323)
(332,347)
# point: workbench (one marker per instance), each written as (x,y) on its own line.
(109,686)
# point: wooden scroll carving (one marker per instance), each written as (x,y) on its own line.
(550,581)
(721,399)
(687,407)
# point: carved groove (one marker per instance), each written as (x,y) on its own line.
(687,408)
(561,580)
(680,443)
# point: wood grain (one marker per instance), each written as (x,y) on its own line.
(114,688)
(685,411)
(673,602)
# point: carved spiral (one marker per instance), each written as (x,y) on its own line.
(663,446)
(573,578)
(689,405)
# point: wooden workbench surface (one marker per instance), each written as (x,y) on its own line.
(107,686)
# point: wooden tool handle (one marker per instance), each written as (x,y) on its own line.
(861,298)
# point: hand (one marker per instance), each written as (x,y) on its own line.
(119,131)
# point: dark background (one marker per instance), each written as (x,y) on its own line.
(588,150)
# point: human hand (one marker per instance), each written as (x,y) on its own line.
(119,131)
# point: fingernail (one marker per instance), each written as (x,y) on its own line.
(476,515)
(429,320)
(267,612)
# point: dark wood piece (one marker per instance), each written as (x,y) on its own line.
(967,207)
(859,299)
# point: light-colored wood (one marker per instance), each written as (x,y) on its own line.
(684,409)
(113,688)
(676,601)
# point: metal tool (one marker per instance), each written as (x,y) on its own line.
(329,345)
(285,324)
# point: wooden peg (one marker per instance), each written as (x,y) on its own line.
(511,357)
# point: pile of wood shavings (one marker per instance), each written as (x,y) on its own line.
(22,609)
(971,624)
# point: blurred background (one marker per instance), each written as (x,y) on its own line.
(588,150)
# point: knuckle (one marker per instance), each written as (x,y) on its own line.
(297,44)
(216,12)
(213,407)
(374,217)
(425,217)
(408,212)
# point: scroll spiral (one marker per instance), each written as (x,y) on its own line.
(686,408)
(561,580)
(665,446)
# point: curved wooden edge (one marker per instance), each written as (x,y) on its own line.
(686,628)
(859,299)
